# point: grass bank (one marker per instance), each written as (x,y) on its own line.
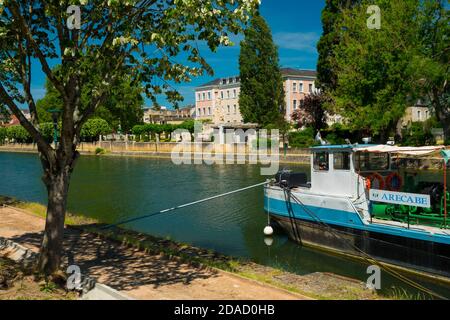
(315,285)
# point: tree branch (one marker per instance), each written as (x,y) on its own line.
(37,136)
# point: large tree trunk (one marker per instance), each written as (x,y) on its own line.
(57,184)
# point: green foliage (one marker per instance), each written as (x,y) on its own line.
(47,130)
(93,128)
(374,75)
(302,139)
(417,134)
(116,57)
(188,125)
(261,99)
(18,134)
(331,15)
(3,135)
(431,62)
(99,151)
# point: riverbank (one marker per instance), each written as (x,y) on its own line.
(164,151)
(146,267)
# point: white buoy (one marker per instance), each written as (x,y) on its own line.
(268,231)
(268,241)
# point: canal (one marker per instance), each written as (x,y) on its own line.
(114,188)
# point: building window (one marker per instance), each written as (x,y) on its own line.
(204,111)
(198,97)
(295,104)
(341,161)
(228,94)
(235,109)
(204,96)
(301,87)
(209,110)
(224,81)
(209,95)
(199,112)
(321,161)
(221,94)
(294,86)
(310,87)
(302,103)
(234,93)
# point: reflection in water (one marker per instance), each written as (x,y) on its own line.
(115,188)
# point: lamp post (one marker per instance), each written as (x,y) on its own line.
(55,115)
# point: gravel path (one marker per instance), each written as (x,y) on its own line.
(135,273)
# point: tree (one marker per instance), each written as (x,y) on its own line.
(138,40)
(431,62)
(261,99)
(331,15)
(373,66)
(94,128)
(123,107)
(311,113)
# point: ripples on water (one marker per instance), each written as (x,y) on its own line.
(114,188)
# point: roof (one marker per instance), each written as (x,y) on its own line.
(381,148)
(214,82)
(338,146)
(298,72)
(284,72)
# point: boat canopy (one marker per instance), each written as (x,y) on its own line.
(412,151)
(382,148)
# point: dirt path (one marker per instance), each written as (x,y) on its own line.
(135,273)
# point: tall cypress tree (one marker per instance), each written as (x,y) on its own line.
(262,95)
(331,14)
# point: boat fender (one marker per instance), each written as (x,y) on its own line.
(368,183)
(268,231)
(268,241)
(394,186)
(378,177)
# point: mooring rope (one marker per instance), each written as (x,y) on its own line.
(184,205)
(366,256)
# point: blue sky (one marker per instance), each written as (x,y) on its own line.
(296,28)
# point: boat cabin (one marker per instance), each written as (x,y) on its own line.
(339,169)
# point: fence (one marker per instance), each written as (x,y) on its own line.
(164,149)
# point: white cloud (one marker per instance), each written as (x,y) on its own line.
(299,41)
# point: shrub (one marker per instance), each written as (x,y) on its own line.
(417,134)
(302,139)
(99,151)
(3,135)
(18,134)
(93,128)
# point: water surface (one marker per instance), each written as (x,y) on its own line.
(114,188)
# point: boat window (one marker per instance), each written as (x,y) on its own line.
(321,161)
(341,161)
(368,161)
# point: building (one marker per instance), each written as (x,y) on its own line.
(164,115)
(218,100)
(297,85)
(417,113)
(12,120)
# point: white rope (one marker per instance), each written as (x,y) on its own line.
(188,204)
